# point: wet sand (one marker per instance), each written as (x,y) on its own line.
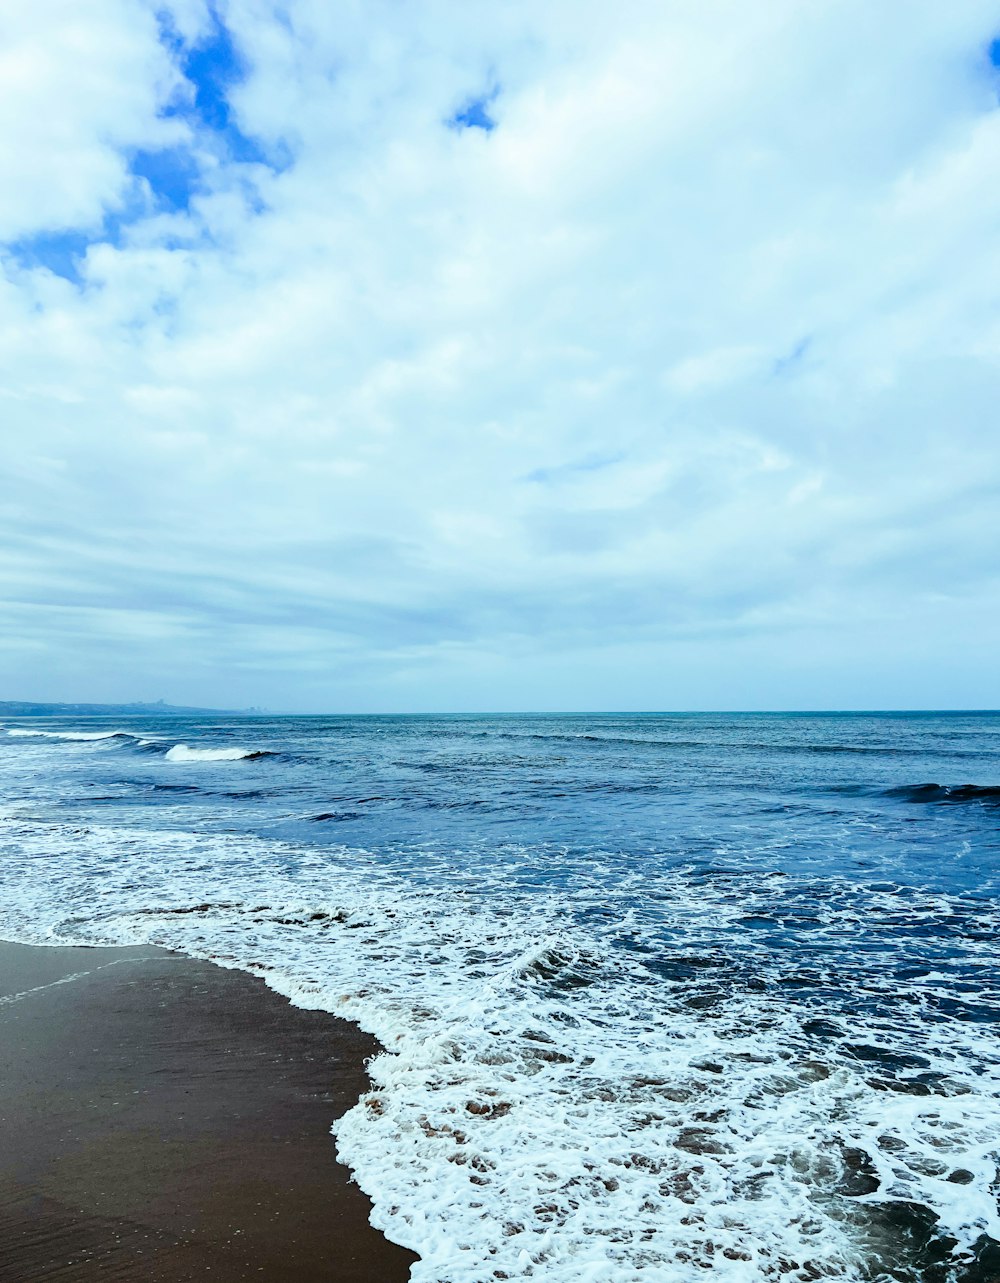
(163,1119)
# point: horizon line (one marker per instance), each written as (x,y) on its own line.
(161,708)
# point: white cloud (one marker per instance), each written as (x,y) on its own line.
(79,85)
(699,342)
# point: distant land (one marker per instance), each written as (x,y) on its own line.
(30,708)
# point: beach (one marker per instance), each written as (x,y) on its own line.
(166,1119)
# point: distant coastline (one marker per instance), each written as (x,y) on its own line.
(37,708)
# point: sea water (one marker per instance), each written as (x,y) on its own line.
(661,996)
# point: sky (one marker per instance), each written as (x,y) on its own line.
(382,356)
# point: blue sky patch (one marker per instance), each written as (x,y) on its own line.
(61,252)
(213,66)
(993,52)
(172,175)
(474,114)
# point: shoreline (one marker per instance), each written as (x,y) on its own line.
(168,1119)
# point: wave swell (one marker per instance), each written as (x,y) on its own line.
(985,793)
(81,737)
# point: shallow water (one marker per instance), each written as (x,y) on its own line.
(660,994)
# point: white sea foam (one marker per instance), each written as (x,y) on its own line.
(181,753)
(546,1109)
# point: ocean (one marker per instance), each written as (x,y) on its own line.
(662,996)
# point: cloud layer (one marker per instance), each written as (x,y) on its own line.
(376,356)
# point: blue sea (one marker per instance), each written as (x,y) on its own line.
(662,996)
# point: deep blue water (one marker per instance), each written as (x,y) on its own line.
(846,793)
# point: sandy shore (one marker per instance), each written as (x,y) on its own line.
(162,1119)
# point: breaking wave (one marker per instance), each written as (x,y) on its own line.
(182,753)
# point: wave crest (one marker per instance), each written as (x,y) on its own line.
(182,753)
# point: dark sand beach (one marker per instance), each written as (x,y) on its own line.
(164,1119)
